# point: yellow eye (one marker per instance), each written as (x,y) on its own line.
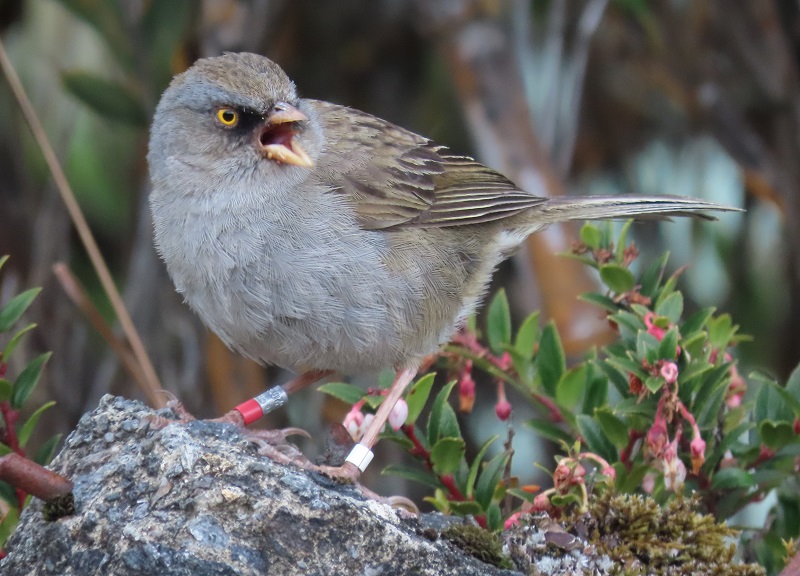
(228,117)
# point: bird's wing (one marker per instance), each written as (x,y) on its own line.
(396,178)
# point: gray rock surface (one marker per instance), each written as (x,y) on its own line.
(198,500)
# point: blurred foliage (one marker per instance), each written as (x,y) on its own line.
(660,411)
(15,393)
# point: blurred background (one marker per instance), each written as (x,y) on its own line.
(689,97)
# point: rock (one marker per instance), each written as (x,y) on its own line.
(198,500)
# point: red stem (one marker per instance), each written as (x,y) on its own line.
(418,451)
(555,411)
(625,456)
(450,483)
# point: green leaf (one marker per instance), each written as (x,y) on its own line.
(551,359)
(647,346)
(614,428)
(729,438)
(527,335)
(465,508)
(793,385)
(653,383)
(5,449)
(446,455)
(494,518)
(621,240)
(111,100)
(731,479)
(695,344)
(412,474)
(710,397)
(8,524)
(651,277)
(671,307)
(439,416)
(498,323)
(16,307)
(47,450)
(476,465)
(720,331)
(635,407)
(563,500)
(669,344)
(771,404)
(590,236)
(626,365)
(776,435)
(15,340)
(596,394)
(27,429)
(618,278)
(600,300)
(594,438)
(698,320)
(6,389)
(343,391)
(489,478)
(417,397)
(551,431)
(571,386)
(27,380)
(630,481)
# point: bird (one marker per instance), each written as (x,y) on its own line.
(322,239)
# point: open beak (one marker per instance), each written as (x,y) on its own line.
(276,139)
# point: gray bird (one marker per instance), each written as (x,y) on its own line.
(321,238)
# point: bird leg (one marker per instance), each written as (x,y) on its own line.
(255,408)
(252,410)
(361,454)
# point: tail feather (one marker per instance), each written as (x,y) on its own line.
(563,208)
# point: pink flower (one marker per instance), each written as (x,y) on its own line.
(503,406)
(657,437)
(651,326)
(541,502)
(669,372)
(737,387)
(398,415)
(561,477)
(466,389)
(354,420)
(503,362)
(697,449)
(649,483)
(503,409)
(674,473)
(610,472)
(512,520)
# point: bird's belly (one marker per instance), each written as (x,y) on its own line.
(329,305)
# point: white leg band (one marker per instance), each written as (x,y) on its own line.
(361,456)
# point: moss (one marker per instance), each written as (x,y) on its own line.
(59,507)
(644,538)
(475,541)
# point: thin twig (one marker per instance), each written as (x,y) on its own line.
(77,294)
(152,385)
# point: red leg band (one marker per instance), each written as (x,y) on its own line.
(250,411)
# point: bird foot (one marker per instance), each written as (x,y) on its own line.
(271,443)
